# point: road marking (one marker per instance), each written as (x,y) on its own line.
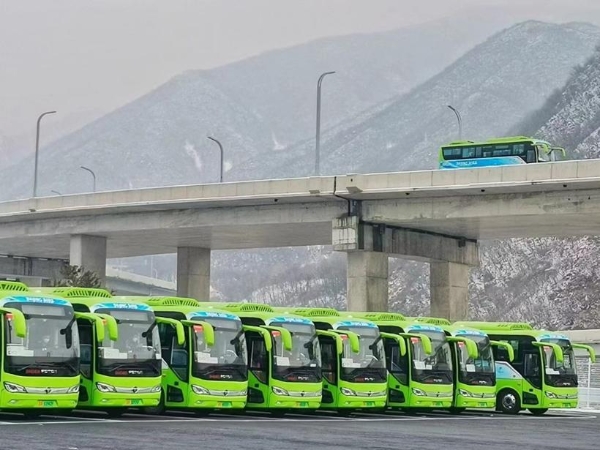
(299,420)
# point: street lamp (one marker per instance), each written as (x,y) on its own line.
(318,137)
(459,118)
(93,175)
(37,150)
(221,150)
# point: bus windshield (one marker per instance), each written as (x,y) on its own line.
(137,351)
(227,358)
(368,365)
(51,347)
(480,370)
(303,362)
(560,374)
(435,368)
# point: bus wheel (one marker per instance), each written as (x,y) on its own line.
(32,414)
(115,413)
(158,409)
(508,402)
(538,411)
(455,410)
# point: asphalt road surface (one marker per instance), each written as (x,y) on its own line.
(83,431)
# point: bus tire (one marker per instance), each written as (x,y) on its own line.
(115,413)
(455,410)
(158,409)
(538,411)
(508,402)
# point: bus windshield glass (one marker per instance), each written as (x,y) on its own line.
(51,347)
(137,350)
(480,370)
(368,365)
(225,360)
(560,374)
(435,368)
(303,362)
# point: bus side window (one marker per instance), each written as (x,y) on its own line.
(395,363)
(166,333)
(179,360)
(543,154)
(329,359)
(258,358)
(531,369)
(86,340)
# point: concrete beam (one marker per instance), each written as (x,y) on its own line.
(349,235)
(449,290)
(367,281)
(193,273)
(21,267)
(89,252)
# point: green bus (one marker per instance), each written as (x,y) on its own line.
(40,351)
(543,373)
(474,371)
(418,360)
(122,370)
(208,370)
(284,358)
(505,151)
(353,358)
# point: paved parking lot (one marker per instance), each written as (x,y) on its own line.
(325,431)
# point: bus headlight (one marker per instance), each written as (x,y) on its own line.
(548,394)
(103,387)
(279,391)
(348,392)
(418,392)
(73,389)
(14,388)
(465,393)
(156,388)
(199,390)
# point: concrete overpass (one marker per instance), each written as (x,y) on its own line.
(436,216)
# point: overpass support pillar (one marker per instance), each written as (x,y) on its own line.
(367,281)
(449,290)
(193,273)
(89,253)
(368,246)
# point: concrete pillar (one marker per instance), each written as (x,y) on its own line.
(193,273)
(449,286)
(89,252)
(367,280)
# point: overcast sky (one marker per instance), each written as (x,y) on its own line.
(78,55)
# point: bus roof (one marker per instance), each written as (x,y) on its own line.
(15,286)
(501,140)
(513,329)
(31,297)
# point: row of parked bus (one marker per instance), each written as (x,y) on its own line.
(66,348)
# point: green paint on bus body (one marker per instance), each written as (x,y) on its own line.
(542,373)
(205,356)
(40,344)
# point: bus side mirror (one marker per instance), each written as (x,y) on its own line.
(209,332)
(96,321)
(18,319)
(506,346)
(398,339)
(110,323)
(472,350)
(179,330)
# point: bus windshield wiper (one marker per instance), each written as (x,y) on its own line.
(68,326)
(149,330)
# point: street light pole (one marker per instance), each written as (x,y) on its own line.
(459,118)
(93,175)
(37,150)
(318,134)
(221,150)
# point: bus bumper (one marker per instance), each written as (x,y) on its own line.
(118,400)
(285,402)
(34,401)
(474,403)
(216,402)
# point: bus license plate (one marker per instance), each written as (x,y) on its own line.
(482,405)
(46,403)
(369,403)
(566,405)
(438,404)
(302,404)
(224,404)
(133,402)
